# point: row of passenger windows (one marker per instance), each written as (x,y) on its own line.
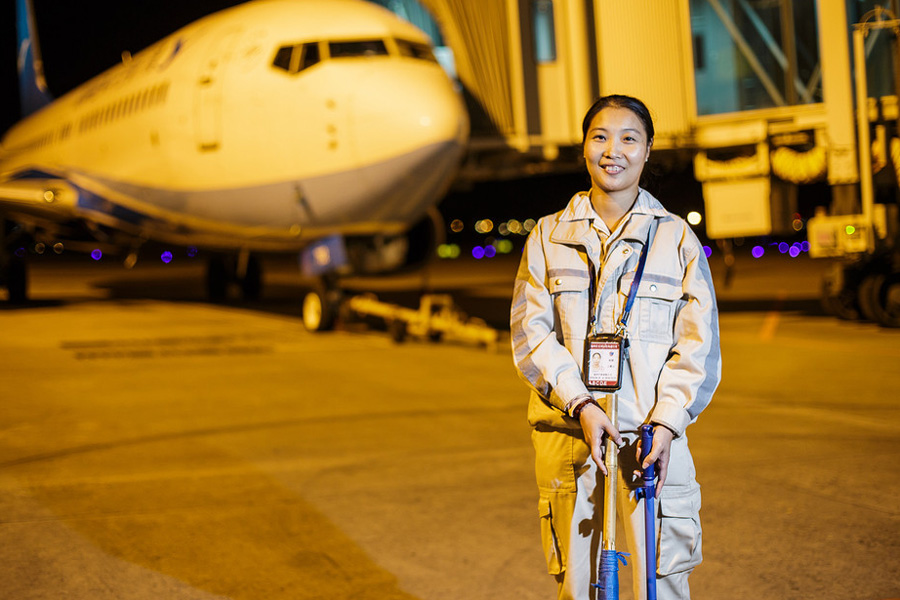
(297,57)
(123,107)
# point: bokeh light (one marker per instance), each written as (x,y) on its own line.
(456,225)
(758,251)
(448,251)
(96,254)
(166,257)
(478,252)
(484,226)
(694,217)
(504,246)
(708,251)
(490,251)
(783,247)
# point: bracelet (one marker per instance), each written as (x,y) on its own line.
(576,412)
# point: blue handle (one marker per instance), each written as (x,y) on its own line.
(648,491)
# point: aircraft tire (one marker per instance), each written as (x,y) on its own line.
(251,282)
(885,299)
(319,311)
(17,280)
(217,279)
(868,297)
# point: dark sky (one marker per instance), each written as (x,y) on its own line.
(82,39)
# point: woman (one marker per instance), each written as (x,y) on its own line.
(580,262)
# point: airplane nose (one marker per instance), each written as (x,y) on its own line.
(405,110)
(409,132)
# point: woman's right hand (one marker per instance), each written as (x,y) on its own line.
(595,425)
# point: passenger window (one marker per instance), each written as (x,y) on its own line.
(282,58)
(360,48)
(310,56)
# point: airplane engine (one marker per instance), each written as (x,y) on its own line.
(407,251)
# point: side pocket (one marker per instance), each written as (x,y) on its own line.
(549,539)
(680,539)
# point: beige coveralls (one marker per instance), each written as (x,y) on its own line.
(672,370)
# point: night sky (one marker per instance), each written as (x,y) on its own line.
(80,40)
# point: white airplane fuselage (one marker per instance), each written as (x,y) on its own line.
(258,128)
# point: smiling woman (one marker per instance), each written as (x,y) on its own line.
(615,271)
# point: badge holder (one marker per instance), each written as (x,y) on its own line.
(604,353)
(603,362)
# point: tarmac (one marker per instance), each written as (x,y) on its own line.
(153,445)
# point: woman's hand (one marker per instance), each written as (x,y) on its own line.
(595,425)
(659,454)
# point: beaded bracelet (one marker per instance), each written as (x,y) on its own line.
(576,412)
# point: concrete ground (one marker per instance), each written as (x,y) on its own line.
(155,446)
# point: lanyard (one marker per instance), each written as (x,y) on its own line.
(621,326)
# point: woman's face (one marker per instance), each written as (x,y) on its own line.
(615,150)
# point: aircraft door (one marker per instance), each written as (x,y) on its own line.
(208,93)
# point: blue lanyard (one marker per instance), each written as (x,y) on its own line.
(621,328)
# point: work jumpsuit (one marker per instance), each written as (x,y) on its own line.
(672,368)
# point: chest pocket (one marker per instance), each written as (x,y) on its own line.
(569,293)
(655,304)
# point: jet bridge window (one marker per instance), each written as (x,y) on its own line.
(297,57)
(415,50)
(357,48)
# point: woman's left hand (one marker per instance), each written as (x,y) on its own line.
(659,454)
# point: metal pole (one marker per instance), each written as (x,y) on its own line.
(862,130)
(609,559)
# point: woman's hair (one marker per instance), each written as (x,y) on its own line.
(619,101)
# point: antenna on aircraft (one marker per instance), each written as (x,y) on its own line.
(33,94)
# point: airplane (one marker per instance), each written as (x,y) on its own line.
(320,127)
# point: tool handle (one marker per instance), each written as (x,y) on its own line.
(646,446)
(648,491)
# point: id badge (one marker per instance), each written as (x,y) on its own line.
(603,362)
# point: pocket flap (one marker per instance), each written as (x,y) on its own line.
(652,286)
(679,507)
(569,283)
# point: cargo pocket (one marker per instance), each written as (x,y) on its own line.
(549,538)
(680,534)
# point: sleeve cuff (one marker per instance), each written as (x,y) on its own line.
(672,416)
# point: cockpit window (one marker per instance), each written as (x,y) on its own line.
(310,56)
(282,58)
(415,50)
(359,48)
(297,57)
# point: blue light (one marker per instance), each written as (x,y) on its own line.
(96,254)
(794,251)
(804,246)
(192,251)
(708,251)
(758,251)
(490,251)
(478,252)
(783,247)
(166,257)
